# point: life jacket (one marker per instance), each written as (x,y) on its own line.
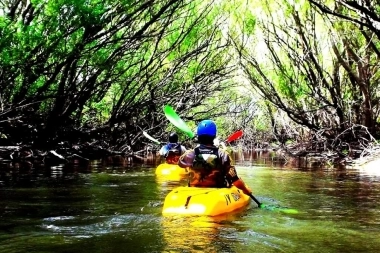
(207,169)
(173,154)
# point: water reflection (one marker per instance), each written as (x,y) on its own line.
(199,234)
(188,234)
(91,226)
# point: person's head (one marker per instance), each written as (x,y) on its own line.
(206,131)
(173,138)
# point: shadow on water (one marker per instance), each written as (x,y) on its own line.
(114,205)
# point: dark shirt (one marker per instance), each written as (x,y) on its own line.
(172,152)
(208,166)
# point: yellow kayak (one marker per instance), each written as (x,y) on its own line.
(170,170)
(204,201)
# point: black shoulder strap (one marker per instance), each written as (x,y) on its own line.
(196,151)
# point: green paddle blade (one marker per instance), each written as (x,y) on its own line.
(151,138)
(172,116)
(278,209)
(273,208)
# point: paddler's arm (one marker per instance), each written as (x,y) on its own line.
(232,175)
(163,150)
(183,150)
(238,182)
(242,186)
(186,160)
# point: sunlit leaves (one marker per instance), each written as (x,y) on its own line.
(250,23)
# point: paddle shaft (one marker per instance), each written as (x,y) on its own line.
(254,199)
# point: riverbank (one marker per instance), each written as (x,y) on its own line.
(370,160)
(65,154)
(288,155)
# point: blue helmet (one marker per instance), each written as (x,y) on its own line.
(206,127)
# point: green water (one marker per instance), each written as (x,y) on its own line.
(116,209)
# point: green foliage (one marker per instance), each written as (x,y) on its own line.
(119,62)
(108,61)
(249,23)
(292,91)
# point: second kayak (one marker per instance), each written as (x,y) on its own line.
(172,170)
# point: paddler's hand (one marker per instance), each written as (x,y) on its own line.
(242,186)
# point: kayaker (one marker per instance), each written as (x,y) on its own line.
(208,165)
(172,150)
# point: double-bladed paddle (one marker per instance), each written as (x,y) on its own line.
(180,124)
(173,117)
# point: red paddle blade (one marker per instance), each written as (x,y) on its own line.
(235,136)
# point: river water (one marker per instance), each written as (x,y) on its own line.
(109,208)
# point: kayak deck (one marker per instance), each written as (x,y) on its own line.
(204,201)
